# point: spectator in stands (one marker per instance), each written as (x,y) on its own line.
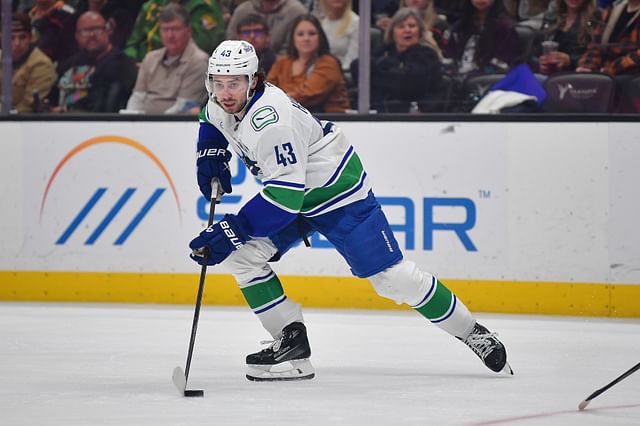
(119,14)
(54,23)
(451,10)
(615,49)
(33,72)
(340,24)
(170,79)
(279,15)
(483,40)
(382,11)
(206,24)
(572,29)
(435,27)
(408,69)
(254,29)
(527,12)
(308,72)
(21,6)
(98,78)
(228,7)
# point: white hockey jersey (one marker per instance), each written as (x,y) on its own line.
(306,165)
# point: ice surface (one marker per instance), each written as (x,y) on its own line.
(72,364)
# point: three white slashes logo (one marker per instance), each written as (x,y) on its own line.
(83,219)
(263,117)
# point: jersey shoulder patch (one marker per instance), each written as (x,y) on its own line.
(264,116)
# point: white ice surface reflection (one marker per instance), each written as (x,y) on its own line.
(72,364)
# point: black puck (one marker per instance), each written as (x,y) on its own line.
(194,393)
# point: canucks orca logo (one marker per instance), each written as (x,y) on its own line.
(263,117)
(251,165)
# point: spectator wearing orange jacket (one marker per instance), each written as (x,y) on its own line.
(308,72)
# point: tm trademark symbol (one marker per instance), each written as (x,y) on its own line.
(484,193)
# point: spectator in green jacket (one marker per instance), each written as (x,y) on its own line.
(207,26)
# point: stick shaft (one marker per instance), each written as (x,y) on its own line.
(203,275)
(617,380)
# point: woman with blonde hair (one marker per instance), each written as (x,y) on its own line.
(341,25)
(308,72)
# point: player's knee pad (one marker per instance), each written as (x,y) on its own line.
(403,282)
(250,261)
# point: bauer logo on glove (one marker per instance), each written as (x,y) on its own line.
(219,241)
(213,152)
(212,160)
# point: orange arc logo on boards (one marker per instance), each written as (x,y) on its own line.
(110,139)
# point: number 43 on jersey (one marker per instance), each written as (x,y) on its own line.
(285,154)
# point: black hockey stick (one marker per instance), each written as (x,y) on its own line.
(626,374)
(179,377)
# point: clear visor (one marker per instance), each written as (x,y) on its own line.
(217,83)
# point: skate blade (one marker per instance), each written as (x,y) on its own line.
(507,370)
(300,369)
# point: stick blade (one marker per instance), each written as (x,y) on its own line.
(179,380)
(583,405)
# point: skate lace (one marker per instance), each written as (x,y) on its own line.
(482,344)
(274,345)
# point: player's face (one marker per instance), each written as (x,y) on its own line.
(230,92)
(406,33)
(305,38)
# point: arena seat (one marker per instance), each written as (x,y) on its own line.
(578,92)
(475,87)
(526,38)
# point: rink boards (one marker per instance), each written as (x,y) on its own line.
(515,217)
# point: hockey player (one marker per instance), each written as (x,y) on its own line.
(313,180)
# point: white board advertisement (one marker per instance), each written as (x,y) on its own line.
(516,201)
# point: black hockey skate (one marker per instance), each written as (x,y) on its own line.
(490,350)
(286,358)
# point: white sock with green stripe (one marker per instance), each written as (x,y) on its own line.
(266,298)
(405,282)
(444,309)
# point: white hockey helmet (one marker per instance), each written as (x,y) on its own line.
(232,57)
